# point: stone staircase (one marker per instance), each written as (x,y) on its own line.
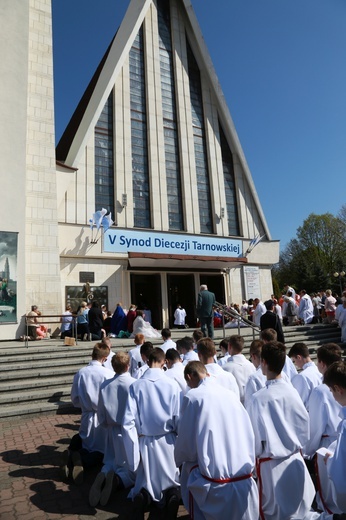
(37,379)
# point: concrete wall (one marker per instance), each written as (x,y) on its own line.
(27,159)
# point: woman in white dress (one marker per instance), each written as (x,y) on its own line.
(143,327)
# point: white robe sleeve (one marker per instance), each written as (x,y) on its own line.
(130,432)
(251,387)
(75,391)
(300,384)
(255,417)
(318,418)
(336,467)
(186,446)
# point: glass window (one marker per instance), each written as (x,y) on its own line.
(104,165)
(203,182)
(172,160)
(228,173)
(140,169)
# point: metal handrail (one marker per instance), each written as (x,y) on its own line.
(228,311)
(74,321)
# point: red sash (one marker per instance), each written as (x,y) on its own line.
(319,487)
(259,479)
(217,481)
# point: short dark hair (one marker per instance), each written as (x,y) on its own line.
(197,335)
(274,354)
(236,342)
(186,342)
(224,344)
(195,368)
(269,335)
(299,349)
(335,375)
(329,353)
(100,351)
(146,348)
(120,362)
(256,347)
(206,348)
(172,354)
(157,355)
(269,304)
(166,333)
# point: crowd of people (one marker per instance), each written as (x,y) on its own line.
(292,308)
(232,438)
(94,321)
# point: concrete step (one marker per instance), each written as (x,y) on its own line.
(51,371)
(20,364)
(32,395)
(38,378)
(27,384)
(36,408)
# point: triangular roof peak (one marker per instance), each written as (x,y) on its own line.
(83,121)
(90,107)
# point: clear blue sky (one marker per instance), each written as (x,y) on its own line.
(282,68)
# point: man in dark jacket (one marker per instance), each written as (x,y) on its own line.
(205,313)
(270,320)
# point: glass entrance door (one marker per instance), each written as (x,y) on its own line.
(181,290)
(146,294)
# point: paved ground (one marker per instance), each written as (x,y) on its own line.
(31,485)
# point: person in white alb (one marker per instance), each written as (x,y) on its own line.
(179,317)
(225,354)
(259,310)
(215,447)
(115,472)
(324,418)
(206,353)
(135,355)
(185,349)
(289,371)
(149,432)
(340,316)
(175,368)
(306,309)
(86,448)
(281,426)
(145,351)
(238,365)
(309,377)
(289,289)
(257,380)
(167,340)
(335,379)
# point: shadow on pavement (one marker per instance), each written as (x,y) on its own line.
(54,494)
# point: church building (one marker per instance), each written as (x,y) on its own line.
(148,194)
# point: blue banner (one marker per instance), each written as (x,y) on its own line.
(125,241)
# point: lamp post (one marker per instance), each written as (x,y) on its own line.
(340,276)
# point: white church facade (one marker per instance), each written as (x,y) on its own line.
(153,143)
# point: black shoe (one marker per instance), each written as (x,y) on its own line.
(140,502)
(95,492)
(138,509)
(77,470)
(111,484)
(172,503)
(339,517)
(66,464)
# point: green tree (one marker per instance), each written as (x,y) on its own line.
(309,261)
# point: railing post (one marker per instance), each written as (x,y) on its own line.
(223,325)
